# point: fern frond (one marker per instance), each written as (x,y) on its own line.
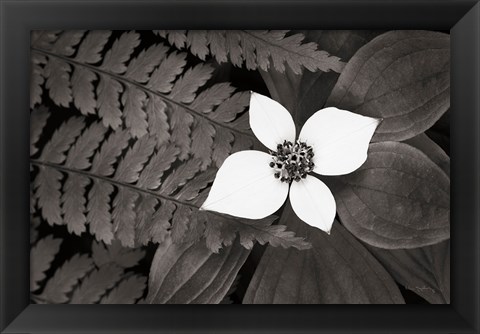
(161,161)
(211,97)
(124,216)
(62,139)
(156,110)
(154,92)
(133,101)
(202,141)
(180,176)
(90,50)
(73,198)
(38,120)
(98,211)
(120,52)
(220,231)
(65,278)
(108,104)
(57,72)
(163,77)
(47,184)
(47,194)
(142,181)
(36,79)
(129,168)
(82,90)
(98,207)
(156,227)
(144,224)
(141,67)
(84,279)
(41,256)
(222,146)
(128,291)
(180,222)
(186,86)
(181,127)
(131,190)
(80,153)
(175,37)
(256,49)
(115,253)
(44,38)
(94,286)
(192,189)
(82,79)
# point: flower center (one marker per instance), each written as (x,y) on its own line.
(292,162)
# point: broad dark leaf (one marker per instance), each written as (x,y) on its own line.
(337,269)
(315,87)
(432,150)
(190,273)
(425,270)
(305,94)
(400,76)
(96,284)
(398,198)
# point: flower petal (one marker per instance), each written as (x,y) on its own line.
(339,139)
(245,187)
(270,121)
(313,203)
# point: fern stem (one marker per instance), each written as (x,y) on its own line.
(136,84)
(110,180)
(127,185)
(249,33)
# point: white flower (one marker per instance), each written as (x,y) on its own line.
(254,184)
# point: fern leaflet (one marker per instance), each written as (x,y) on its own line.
(127,292)
(257,49)
(41,256)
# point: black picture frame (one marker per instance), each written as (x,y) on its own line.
(18,17)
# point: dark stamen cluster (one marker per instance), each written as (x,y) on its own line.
(292,162)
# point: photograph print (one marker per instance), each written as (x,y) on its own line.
(240,167)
